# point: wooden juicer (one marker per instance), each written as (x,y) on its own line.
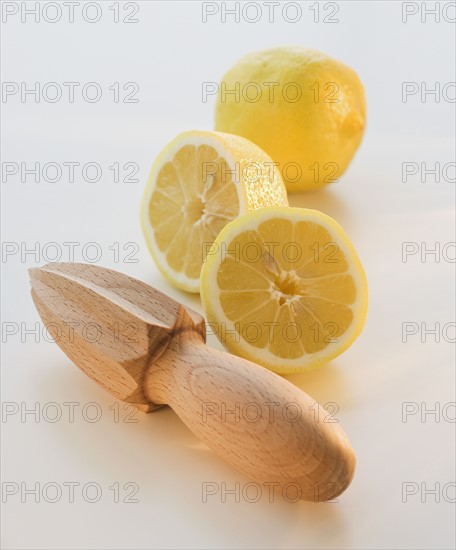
(147,349)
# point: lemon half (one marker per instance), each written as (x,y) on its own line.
(201,181)
(285,288)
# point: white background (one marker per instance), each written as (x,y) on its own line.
(169,53)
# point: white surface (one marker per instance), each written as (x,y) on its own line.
(169,53)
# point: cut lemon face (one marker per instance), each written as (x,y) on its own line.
(285,288)
(200,182)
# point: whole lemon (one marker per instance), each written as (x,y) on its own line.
(305,109)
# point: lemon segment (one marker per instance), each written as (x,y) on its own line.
(284,287)
(198,183)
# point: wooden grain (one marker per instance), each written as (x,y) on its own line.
(147,349)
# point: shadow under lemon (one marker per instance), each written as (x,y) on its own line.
(327,200)
(326,384)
